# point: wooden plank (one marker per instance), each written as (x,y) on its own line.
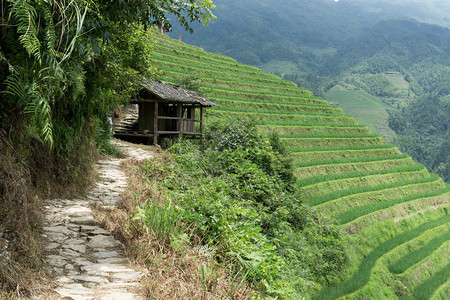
(167,118)
(169,132)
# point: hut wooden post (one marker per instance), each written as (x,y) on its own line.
(201,127)
(180,117)
(155,122)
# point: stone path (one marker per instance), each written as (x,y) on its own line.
(84,258)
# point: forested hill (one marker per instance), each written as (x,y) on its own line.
(255,32)
(421,52)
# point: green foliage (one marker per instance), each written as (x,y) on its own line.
(366,189)
(330,177)
(191,82)
(240,196)
(427,288)
(162,219)
(362,275)
(415,256)
(350,160)
(374,84)
(424,132)
(353,214)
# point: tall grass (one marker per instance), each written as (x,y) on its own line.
(351,160)
(161,218)
(314,130)
(362,275)
(360,211)
(297,91)
(419,254)
(317,156)
(331,177)
(288,137)
(312,142)
(252,86)
(343,148)
(197,68)
(252,78)
(369,189)
(258,117)
(295,100)
(173,45)
(323,188)
(426,289)
(210,76)
(165,49)
(343,168)
(257,96)
(183,59)
(292,107)
(278,112)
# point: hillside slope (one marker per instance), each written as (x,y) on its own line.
(392,212)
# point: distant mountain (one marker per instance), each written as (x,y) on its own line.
(421,52)
(427,11)
(258,31)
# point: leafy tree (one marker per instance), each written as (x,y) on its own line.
(63,62)
(423,132)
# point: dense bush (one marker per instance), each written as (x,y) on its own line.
(239,195)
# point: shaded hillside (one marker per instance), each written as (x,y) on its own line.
(255,32)
(430,11)
(424,132)
(419,51)
(386,205)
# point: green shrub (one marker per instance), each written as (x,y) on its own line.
(239,195)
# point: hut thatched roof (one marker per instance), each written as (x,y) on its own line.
(172,93)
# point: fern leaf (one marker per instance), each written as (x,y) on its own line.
(25,16)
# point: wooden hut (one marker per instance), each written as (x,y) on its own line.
(166,110)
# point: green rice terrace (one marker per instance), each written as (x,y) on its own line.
(392,213)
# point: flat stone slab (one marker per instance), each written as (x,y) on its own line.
(76,247)
(75,291)
(119,296)
(106,254)
(57,229)
(90,278)
(112,260)
(85,220)
(105,268)
(103,241)
(77,211)
(129,276)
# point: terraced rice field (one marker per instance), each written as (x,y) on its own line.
(392,213)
